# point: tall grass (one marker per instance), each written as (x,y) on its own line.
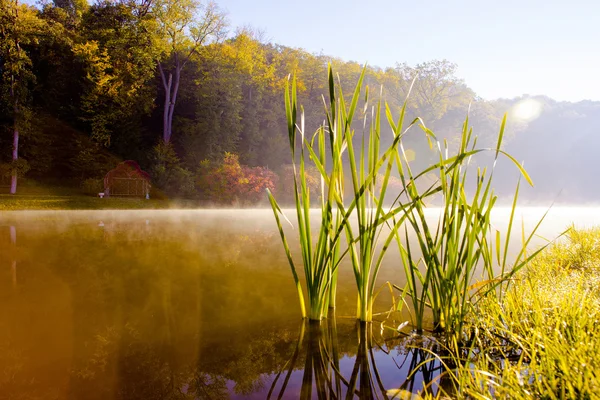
(369,187)
(440,269)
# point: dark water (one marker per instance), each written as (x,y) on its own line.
(190,305)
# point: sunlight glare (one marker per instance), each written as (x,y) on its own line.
(527,110)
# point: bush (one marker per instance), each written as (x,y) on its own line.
(228,182)
(256,181)
(20,165)
(92,186)
(167,173)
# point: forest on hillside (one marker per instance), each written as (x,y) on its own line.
(199,104)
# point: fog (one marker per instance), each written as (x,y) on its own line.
(244,221)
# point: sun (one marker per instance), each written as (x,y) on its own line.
(527,110)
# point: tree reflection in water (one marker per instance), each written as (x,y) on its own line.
(13,266)
(417,370)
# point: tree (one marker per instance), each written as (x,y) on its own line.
(167,173)
(209,119)
(19,27)
(117,54)
(257,80)
(436,89)
(74,10)
(183,35)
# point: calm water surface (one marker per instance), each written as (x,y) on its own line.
(188,304)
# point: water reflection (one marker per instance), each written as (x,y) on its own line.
(169,310)
(334,366)
(13,266)
(168,305)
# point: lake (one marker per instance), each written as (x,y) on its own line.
(191,304)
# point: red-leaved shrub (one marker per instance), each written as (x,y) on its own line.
(229,182)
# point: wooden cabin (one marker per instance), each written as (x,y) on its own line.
(127,179)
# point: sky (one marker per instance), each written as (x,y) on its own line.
(503,48)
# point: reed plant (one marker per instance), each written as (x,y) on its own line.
(365,163)
(320,257)
(368,184)
(441,257)
(369,188)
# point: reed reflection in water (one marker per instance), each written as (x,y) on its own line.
(365,364)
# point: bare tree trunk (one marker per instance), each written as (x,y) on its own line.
(15,157)
(167,86)
(174,97)
(171,86)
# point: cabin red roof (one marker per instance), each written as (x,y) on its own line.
(127,169)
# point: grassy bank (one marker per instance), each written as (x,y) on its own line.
(76,202)
(541,339)
(35,196)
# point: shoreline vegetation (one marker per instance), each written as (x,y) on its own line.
(440,269)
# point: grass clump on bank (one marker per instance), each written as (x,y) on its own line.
(542,339)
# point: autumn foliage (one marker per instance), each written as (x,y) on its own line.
(229,182)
